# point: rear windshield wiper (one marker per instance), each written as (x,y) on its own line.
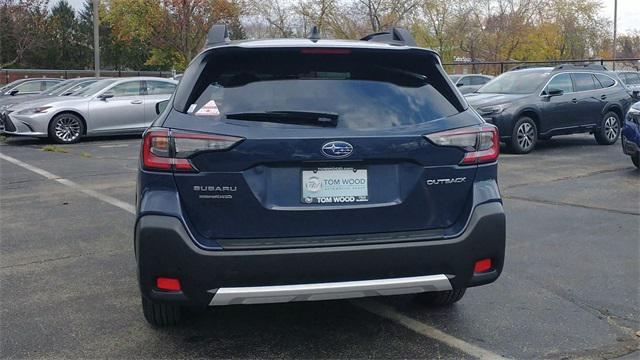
(289,117)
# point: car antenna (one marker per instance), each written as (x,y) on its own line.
(315,34)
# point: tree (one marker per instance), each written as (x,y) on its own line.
(175,28)
(63,46)
(26,30)
(118,53)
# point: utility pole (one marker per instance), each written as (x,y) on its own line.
(96,35)
(615,31)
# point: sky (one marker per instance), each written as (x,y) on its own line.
(628,12)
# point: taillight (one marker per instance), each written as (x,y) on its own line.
(165,150)
(481,144)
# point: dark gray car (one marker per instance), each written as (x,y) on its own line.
(538,103)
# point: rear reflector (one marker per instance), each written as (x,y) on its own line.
(164,150)
(481,144)
(481,266)
(168,284)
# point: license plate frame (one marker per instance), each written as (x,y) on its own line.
(334,185)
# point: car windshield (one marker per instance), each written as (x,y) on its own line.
(454,78)
(94,88)
(516,82)
(10,85)
(61,87)
(352,90)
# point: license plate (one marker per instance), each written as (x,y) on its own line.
(335,186)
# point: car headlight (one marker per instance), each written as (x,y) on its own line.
(492,110)
(35,110)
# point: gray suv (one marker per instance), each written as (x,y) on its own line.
(537,103)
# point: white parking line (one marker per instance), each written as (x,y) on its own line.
(392,314)
(371,306)
(106,198)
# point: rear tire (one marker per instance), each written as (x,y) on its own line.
(441,298)
(160,314)
(609,132)
(524,136)
(636,160)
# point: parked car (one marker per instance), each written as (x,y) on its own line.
(106,107)
(469,83)
(296,170)
(63,88)
(28,86)
(537,103)
(631,79)
(631,134)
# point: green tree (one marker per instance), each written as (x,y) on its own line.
(63,48)
(115,53)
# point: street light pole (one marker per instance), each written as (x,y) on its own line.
(615,31)
(96,35)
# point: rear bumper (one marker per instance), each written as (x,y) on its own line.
(165,249)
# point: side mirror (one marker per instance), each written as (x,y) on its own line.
(554,92)
(106,96)
(14,92)
(459,85)
(161,106)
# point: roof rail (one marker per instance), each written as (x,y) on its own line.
(588,66)
(218,35)
(395,36)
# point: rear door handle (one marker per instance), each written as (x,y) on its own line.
(137,102)
(575,101)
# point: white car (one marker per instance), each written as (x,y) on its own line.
(107,107)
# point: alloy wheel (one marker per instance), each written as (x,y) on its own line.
(525,135)
(67,129)
(611,128)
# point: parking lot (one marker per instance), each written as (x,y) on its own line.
(570,287)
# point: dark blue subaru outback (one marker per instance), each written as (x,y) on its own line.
(310,169)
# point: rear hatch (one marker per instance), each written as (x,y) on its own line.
(323,146)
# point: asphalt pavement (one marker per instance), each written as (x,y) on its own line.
(570,286)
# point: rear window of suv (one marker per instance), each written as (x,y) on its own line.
(366,89)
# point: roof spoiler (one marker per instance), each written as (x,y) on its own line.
(395,36)
(218,35)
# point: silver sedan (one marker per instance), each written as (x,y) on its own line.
(107,107)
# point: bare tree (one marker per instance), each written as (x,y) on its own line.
(29,21)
